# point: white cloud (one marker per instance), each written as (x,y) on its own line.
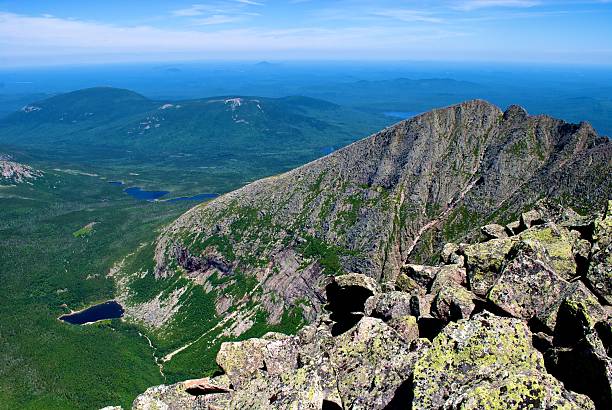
(55,40)
(217,19)
(408,15)
(249,2)
(218,12)
(194,10)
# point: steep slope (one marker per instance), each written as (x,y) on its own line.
(260,254)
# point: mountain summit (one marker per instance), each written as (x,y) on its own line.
(262,254)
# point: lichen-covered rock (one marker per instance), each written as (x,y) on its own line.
(528,390)
(450,253)
(389,305)
(494,231)
(241,361)
(371,362)
(177,397)
(448,275)
(489,362)
(452,302)
(558,242)
(600,271)
(580,299)
(406,326)
(296,388)
(527,285)
(484,262)
(281,355)
(513,228)
(407,284)
(585,367)
(581,251)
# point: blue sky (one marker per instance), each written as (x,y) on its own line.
(43,32)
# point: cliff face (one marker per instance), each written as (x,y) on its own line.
(372,206)
(516,321)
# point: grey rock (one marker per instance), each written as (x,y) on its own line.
(387,306)
(494,231)
(357,280)
(449,252)
(599,274)
(421,274)
(513,228)
(530,218)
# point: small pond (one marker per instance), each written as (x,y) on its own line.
(138,193)
(106,310)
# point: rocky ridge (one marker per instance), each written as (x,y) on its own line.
(14,172)
(395,196)
(519,320)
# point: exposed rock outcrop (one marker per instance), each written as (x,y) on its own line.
(15,173)
(529,333)
(397,195)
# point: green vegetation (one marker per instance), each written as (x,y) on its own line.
(349,217)
(53,257)
(460,221)
(45,263)
(215,143)
(84,231)
(327,255)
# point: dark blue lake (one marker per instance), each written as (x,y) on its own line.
(199,197)
(404,115)
(106,310)
(138,193)
(116,183)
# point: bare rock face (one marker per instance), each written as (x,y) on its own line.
(395,196)
(15,173)
(534,340)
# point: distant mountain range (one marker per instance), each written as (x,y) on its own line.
(122,121)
